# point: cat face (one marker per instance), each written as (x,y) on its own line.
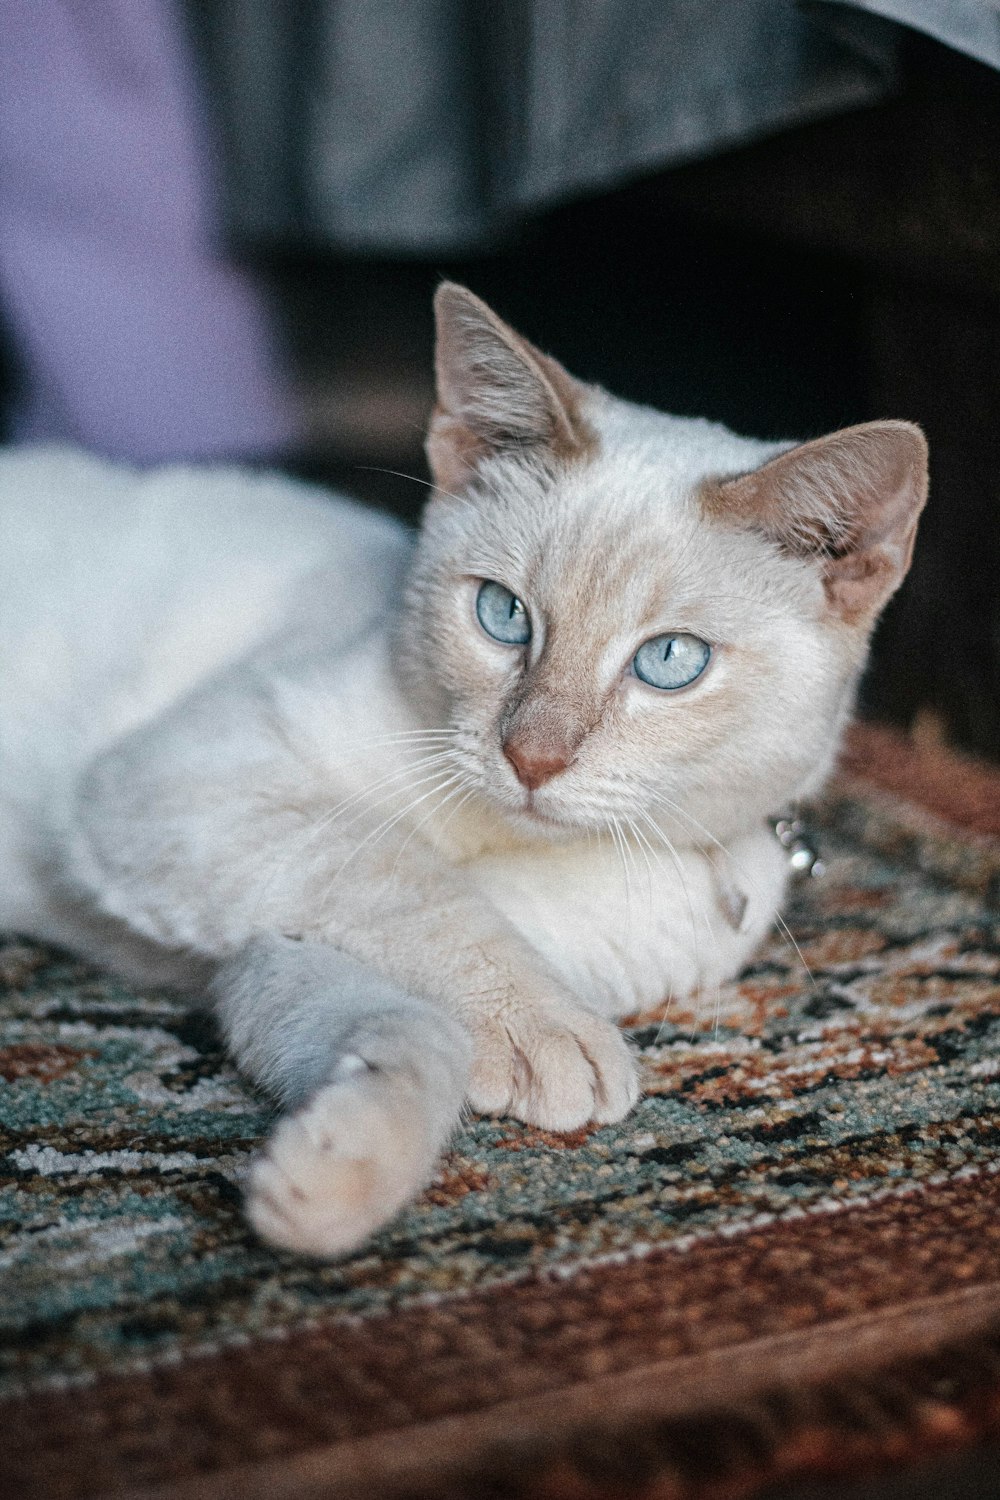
(628,615)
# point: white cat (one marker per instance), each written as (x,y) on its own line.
(424,816)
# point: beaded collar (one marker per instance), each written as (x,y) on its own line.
(800,846)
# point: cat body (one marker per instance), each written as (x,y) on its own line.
(250,589)
(269,747)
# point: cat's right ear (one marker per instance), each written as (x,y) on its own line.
(495,393)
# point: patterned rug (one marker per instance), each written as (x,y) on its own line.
(785,1263)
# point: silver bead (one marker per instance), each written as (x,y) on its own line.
(803,855)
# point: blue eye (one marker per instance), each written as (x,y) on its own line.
(502,615)
(671,661)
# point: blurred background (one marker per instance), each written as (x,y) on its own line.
(222,224)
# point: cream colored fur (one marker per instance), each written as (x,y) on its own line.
(252,744)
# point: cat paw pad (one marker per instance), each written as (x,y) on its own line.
(557,1067)
(332,1173)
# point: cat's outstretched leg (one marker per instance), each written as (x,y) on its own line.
(374,1080)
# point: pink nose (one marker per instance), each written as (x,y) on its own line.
(533,765)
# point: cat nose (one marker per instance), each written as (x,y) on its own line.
(534,765)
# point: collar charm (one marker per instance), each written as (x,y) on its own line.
(791,833)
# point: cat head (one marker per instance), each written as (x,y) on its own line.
(625,613)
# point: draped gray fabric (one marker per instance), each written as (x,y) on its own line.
(971,26)
(433,126)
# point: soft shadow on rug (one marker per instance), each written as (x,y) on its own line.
(785,1263)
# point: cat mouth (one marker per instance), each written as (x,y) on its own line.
(537,815)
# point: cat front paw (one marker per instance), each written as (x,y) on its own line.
(337,1170)
(553,1064)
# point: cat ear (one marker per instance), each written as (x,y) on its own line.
(495,392)
(850,500)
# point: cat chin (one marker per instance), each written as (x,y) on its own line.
(544,826)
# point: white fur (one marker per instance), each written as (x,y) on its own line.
(206,683)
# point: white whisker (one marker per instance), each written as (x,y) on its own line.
(428,484)
(678,865)
(389,823)
(754,885)
(400,773)
(643,845)
(335,814)
(616,835)
(463,782)
(649,851)
(458,805)
(416,739)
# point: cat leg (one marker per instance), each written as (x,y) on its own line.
(373,1078)
(538,1053)
(146,852)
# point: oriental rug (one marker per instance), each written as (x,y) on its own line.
(785,1264)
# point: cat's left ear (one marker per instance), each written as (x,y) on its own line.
(851,501)
(495,393)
